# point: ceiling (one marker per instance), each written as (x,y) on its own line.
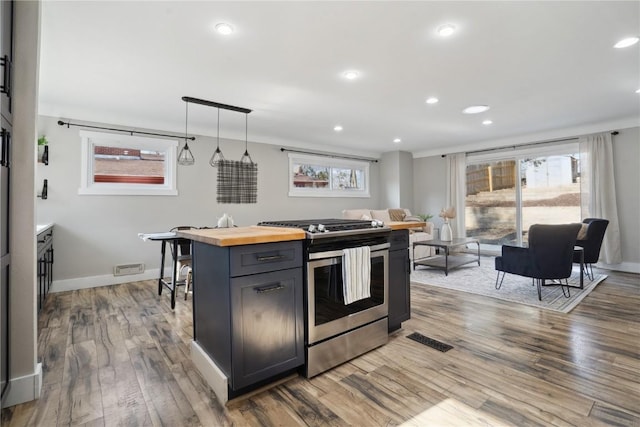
(540,66)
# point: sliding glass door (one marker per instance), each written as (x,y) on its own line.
(506,194)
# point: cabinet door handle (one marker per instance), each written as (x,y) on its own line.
(5,88)
(4,152)
(269,288)
(270,257)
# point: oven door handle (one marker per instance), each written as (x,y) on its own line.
(333,254)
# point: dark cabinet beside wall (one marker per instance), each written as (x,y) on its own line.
(399,279)
(44,264)
(6,85)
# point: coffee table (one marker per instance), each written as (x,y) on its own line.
(447,261)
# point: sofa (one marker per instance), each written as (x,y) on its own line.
(399,215)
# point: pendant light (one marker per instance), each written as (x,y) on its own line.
(246,158)
(185,157)
(217,155)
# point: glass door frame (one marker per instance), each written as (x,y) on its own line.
(519,155)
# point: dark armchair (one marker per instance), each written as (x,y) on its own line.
(591,243)
(548,257)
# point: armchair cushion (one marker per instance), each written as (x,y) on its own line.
(515,260)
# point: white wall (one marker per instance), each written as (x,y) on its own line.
(429,191)
(390,179)
(396,180)
(626,158)
(94,233)
(25,375)
(429,181)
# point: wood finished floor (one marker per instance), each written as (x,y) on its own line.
(119,355)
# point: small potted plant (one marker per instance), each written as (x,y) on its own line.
(425,217)
(43,150)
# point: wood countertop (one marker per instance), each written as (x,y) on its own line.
(405,225)
(236,236)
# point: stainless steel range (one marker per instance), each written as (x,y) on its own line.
(335,331)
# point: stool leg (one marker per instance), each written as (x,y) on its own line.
(162,250)
(188,283)
(174,277)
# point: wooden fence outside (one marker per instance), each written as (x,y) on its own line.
(495,176)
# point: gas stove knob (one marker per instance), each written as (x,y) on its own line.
(374,223)
(321,228)
(380,223)
(312,228)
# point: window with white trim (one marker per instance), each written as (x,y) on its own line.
(115,164)
(317,176)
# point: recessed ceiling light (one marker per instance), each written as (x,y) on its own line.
(487,122)
(397,140)
(432,100)
(475,109)
(337,128)
(446,30)
(351,74)
(224,28)
(629,41)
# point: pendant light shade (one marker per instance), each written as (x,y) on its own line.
(185,157)
(246,158)
(217,155)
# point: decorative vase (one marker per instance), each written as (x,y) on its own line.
(446,234)
(226,221)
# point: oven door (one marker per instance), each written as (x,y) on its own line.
(327,314)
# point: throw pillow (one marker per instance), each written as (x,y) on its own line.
(397,214)
(382,215)
(582,234)
(355,213)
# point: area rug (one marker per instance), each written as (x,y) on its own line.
(481,280)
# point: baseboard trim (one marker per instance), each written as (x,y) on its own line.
(626,267)
(24,389)
(216,379)
(105,280)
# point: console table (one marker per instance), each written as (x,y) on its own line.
(447,261)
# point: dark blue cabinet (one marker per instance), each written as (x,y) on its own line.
(248,310)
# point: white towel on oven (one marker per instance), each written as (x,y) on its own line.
(356,274)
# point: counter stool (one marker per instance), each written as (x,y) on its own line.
(181,273)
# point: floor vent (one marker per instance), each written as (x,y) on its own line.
(126,269)
(440,346)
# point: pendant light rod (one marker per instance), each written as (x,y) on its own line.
(131,132)
(215,104)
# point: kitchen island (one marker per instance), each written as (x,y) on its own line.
(248,305)
(248,313)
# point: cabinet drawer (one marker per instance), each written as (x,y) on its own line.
(265,257)
(399,240)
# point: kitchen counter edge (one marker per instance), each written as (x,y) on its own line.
(406,225)
(237,236)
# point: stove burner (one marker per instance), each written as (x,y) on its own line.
(326,227)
